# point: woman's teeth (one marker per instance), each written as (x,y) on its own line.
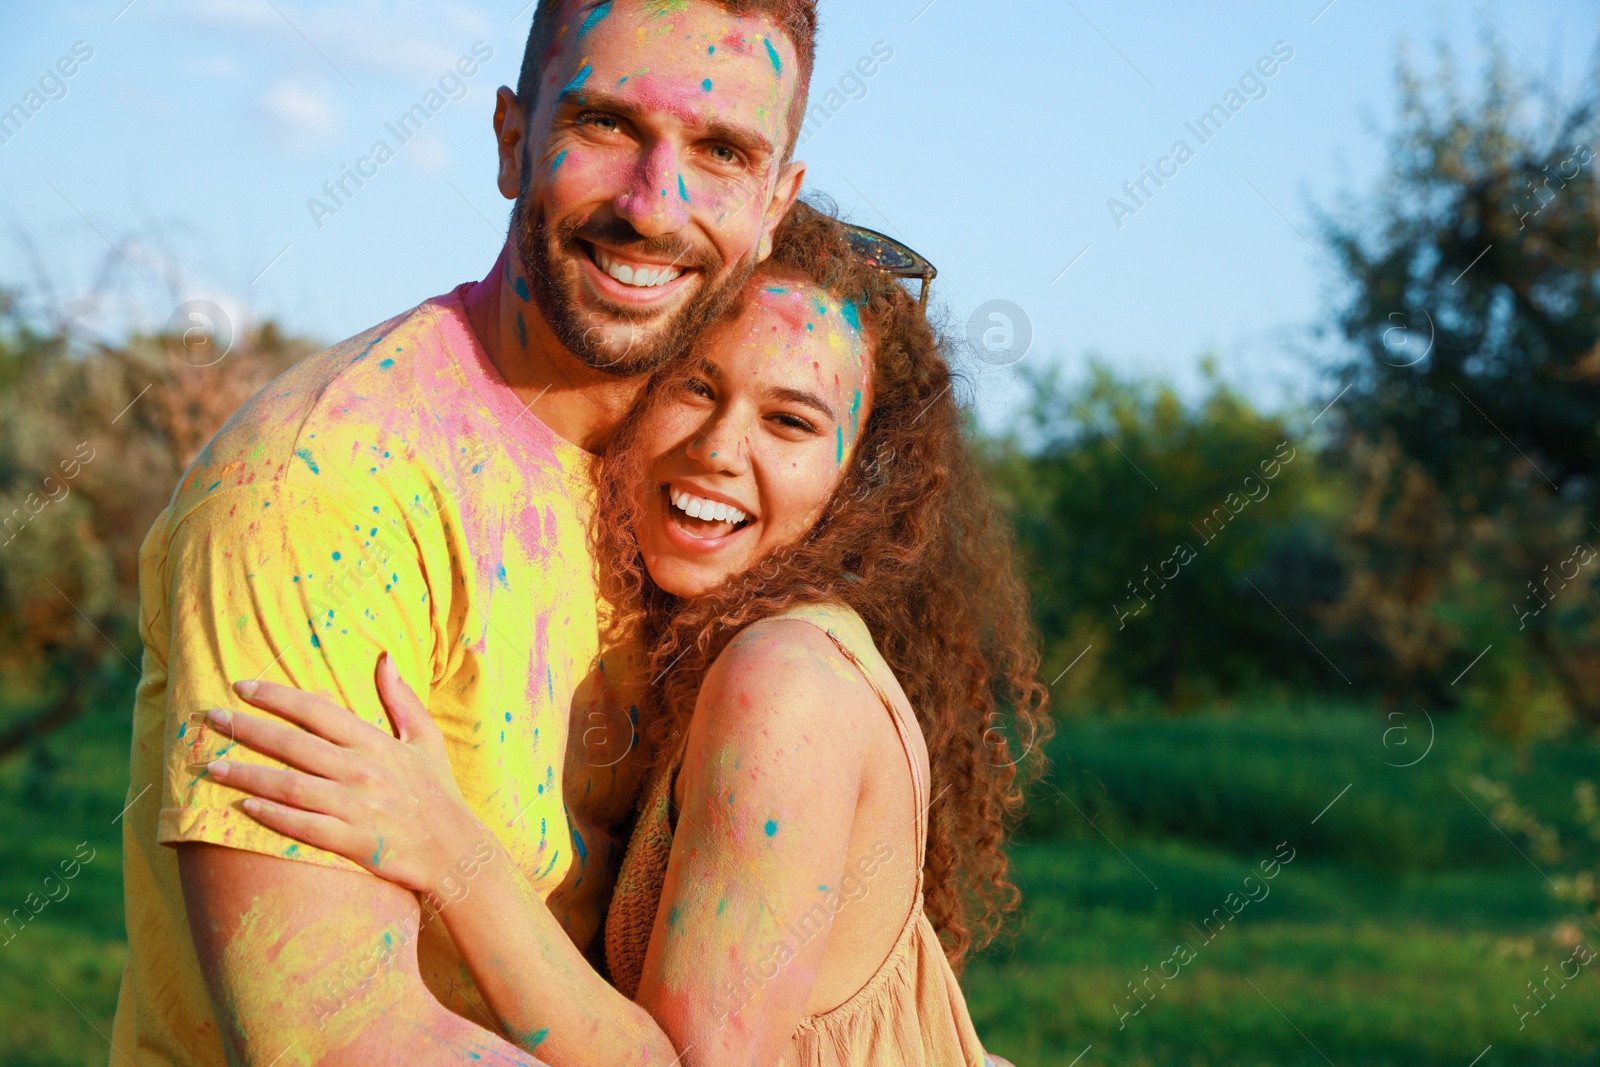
(697,507)
(640,277)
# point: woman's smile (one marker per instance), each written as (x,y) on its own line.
(698,520)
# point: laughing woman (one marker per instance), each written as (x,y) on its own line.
(796,530)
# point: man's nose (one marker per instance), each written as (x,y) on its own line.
(656,200)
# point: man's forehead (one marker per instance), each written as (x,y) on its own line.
(684,44)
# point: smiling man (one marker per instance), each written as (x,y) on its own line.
(422,490)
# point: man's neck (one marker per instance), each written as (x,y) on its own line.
(580,404)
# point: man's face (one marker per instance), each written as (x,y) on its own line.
(652,175)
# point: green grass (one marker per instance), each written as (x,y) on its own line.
(1402,933)
(59,974)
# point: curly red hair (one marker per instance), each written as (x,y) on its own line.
(913,541)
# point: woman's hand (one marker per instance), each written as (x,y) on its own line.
(389,803)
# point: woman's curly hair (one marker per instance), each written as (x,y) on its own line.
(912,540)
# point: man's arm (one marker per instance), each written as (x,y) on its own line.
(312,965)
(306,956)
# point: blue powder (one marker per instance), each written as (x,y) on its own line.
(594,17)
(582,76)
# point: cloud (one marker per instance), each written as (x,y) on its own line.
(212,66)
(428,153)
(301,111)
(380,37)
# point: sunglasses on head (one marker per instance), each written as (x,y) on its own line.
(890,256)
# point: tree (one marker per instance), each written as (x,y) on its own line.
(1165,537)
(1472,420)
(93,439)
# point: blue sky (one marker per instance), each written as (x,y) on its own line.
(180,160)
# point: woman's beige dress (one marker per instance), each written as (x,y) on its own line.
(909,1012)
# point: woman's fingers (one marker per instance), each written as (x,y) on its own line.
(294,788)
(318,714)
(364,846)
(288,744)
(321,831)
(406,711)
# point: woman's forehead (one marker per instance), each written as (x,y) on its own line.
(785,323)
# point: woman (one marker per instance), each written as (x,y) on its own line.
(795,528)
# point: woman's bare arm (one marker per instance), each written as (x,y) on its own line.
(770,783)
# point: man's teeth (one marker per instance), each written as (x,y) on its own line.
(642,277)
(700,508)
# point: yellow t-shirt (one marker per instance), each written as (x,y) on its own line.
(389,494)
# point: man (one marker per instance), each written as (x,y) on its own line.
(421,490)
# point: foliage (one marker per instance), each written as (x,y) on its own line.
(1473,401)
(93,439)
(1169,536)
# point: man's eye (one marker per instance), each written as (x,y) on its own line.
(603,123)
(724,154)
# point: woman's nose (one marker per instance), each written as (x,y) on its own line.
(720,446)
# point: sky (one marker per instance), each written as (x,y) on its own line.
(182,157)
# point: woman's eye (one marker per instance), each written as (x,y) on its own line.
(699,388)
(794,422)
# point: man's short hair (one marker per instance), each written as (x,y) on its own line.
(797,19)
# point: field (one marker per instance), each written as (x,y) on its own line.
(1400,927)
(1404,931)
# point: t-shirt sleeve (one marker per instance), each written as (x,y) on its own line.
(279,584)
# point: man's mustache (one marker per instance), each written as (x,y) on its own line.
(617,235)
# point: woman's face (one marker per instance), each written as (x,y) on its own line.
(745,456)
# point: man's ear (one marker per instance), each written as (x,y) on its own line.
(510,132)
(783,198)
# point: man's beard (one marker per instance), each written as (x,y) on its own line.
(618,341)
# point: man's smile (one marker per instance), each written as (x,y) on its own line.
(632,281)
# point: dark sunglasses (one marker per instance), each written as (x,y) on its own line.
(890,256)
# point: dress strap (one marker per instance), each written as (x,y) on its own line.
(902,727)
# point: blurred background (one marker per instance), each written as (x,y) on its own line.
(1279,325)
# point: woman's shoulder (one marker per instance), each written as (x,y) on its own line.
(789,673)
(795,646)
